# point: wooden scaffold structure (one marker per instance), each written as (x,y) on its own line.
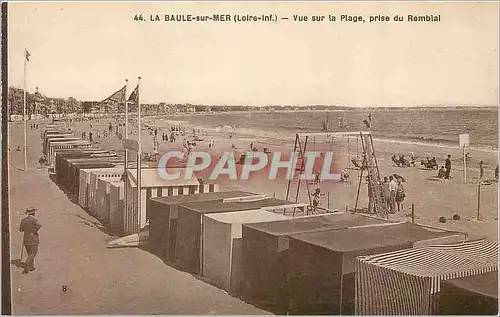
(303,143)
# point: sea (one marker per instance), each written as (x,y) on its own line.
(437,126)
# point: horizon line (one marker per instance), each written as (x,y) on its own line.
(441,105)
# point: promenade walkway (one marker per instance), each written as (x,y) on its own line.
(73,255)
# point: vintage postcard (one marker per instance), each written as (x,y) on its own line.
(232,158)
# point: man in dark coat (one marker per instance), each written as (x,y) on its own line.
(30,227)
(447,166)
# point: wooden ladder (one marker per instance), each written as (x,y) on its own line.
(374,180)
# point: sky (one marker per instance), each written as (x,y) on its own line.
(86,50)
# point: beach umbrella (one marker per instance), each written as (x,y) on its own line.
(399,177)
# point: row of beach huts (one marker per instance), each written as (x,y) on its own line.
(249,244)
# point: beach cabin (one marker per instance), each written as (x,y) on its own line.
(75,165)
(52,137)
(58,144)
(103,197)
(112,174)
(63,143)
(116,205)
(407,282)
(84,181)
(222,245)
(60,132)
(163,216)
(189,250)
(322,265)
(265,249)
(61,166)
(152,185)
(470,295)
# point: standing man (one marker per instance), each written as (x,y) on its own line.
(447,166)
(30,227)
(393,187)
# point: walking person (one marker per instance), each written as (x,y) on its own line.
(30,226)
(447,166)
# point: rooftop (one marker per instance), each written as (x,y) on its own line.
(349,240)
(151,178)
(247,216)
(175,200)
(219,206)
(314,223)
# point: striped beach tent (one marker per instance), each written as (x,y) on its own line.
(152,185)
(407,282)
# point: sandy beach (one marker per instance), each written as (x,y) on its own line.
(432,197)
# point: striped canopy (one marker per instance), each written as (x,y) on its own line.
(406,281)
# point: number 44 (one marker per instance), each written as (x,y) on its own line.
(138,17)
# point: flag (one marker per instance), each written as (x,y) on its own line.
(118,96)
(134,96)
(27,55)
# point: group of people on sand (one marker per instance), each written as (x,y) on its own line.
(401,161)
(393,193)
(429,163)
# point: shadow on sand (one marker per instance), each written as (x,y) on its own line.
(18,263)
(270,307)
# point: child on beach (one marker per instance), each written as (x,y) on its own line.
(317,177)
(344,175)
(42,161)
(442,172)
(315,197)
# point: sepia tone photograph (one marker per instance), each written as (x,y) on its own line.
(250,158)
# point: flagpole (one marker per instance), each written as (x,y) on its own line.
(24,111)
(126,125)
(139,153)
(125,137)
